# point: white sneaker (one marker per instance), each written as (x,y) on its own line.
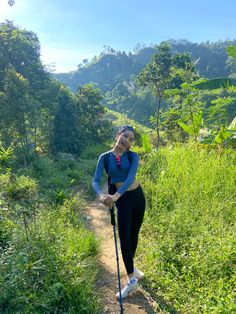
(132,285)
(138,273)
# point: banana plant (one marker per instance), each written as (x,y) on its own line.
(226,135)
(221,82)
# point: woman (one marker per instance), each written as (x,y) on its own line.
(129,199)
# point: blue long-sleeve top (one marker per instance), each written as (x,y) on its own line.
(126,174)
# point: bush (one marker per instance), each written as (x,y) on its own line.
(21,188)
(6,157)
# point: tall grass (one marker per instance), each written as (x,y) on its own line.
(53,271)
(188,241)
(48,257)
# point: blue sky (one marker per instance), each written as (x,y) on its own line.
(72,30)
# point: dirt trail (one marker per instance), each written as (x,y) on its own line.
(138,302)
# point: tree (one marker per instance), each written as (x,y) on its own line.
(191,107)
(157,75)
(89,112)
(20,60)
(17,110)
(166,72)
(20,49)
(65,133)
(11,2)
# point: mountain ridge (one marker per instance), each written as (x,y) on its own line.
(113,67)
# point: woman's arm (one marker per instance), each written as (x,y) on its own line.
(98,175)
(104,198)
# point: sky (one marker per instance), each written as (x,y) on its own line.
(70,31)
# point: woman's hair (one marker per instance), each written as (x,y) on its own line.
(125,128)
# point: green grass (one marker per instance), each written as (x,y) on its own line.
(188,245)
(54,269)
(48,258)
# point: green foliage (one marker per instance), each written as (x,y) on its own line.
(60,196)
(78,120)
(188,239)
(47,257)
(25,90)
(65,134)
(6,156)
(94,128)
(6,224)
(17,106)
(167,72)
(113,67)
(231,50)
(54,270)
(226,137)
(194,128)
(146,145)
(172,131)
(132,102)
(186,102)
(233,124)
(21,188)
(216,83)
(6,228)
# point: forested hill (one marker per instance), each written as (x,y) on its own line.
(112,67)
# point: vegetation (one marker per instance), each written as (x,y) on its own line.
(162,73)
(113,67)
(188,240)
(48,256)
(50,138)
(38,112)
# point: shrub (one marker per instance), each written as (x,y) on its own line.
(21,188)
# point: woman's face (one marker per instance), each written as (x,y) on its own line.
(125,139)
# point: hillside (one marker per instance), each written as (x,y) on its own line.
(113,67)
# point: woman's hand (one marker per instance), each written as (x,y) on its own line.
(106,199)
(115,196)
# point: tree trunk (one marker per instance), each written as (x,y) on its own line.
(158,121)
(35,136)
(193,124)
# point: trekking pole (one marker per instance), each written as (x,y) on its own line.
(113,222)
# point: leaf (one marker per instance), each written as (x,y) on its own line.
(146,143)
(172,92)
(222,82)
(233,124)
(198,120)
(224,135)
(231,50)
(186,128)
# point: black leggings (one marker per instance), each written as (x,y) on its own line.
(130,212)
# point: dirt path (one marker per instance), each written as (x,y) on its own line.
(138,302)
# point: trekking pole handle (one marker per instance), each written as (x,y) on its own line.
(112,211)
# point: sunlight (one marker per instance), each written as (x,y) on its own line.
(5,8)
(63,59)
(8,12)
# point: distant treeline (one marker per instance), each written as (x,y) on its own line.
(113,67)
(116,72)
